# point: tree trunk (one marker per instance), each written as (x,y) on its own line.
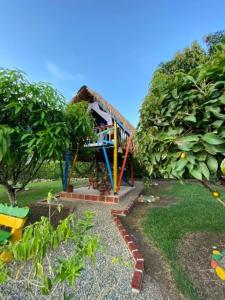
(61,172)
(11,194)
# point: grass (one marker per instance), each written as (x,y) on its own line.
(195,211)
(37,191)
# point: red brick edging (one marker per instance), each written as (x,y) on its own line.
(137,255)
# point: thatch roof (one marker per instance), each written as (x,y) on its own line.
(86,94)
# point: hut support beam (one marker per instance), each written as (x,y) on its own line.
(115,158)
(66,172)
(108,167)
(124,164)
(132,171)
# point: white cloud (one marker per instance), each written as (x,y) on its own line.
(57,73)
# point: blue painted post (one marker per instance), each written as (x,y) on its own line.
(66,173)
(108,167)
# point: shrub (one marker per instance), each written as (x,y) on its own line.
(181,129)
(35,250)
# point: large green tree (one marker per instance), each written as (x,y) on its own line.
(36,126)
(32,129)
(181,129)
(80,124)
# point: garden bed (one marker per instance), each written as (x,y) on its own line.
(39,210)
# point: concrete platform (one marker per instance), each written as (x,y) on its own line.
(84,193)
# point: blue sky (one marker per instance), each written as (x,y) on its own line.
(113,46)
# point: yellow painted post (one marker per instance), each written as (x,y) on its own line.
(115,165)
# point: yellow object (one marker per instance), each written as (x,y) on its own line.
(183,155)
(115,164)
(216,194)
(17,227)
(220,273)
(216,252)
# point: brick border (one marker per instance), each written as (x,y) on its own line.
(108,199)
(133,248)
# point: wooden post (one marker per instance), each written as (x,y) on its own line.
(115,163)
(72,167)
(66,172)
(108,167)
(124,164)
(132,171)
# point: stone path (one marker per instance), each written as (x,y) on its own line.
(111,277)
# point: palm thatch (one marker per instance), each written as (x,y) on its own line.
(86,94)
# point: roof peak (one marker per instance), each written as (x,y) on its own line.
(87,94)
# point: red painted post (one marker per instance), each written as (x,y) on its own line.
(132,171)
(124,164)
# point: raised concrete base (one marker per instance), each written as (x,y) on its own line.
(84,193)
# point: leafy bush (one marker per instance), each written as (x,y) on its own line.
(51,170)
(185,61)
(181,129)
(39,242)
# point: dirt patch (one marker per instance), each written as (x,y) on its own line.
(194,252)
(37,211)
(155,264)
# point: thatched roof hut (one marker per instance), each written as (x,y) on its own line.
(86,94)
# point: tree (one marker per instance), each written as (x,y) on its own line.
(181,129)
(186,60)
(213,39)
(32,129)
(80,124)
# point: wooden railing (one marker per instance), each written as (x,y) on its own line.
(105,134)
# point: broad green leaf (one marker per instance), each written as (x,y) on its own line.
(196,174)
(204,170)
(212,139)
(222,166)
(201,156)
(188,138)
(190,118)
(181,164)
(210,149)
(191,158)
(217,124)
(212,163)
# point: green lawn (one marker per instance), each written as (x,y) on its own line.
(196,211)
(38,191)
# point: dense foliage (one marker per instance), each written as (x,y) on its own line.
(80,125)
(31,129)
(38,244)
(184,61)
(181,129)
(35,126)
(213,39)
(51,170)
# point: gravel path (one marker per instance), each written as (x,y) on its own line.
(108,280)
(111,276)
